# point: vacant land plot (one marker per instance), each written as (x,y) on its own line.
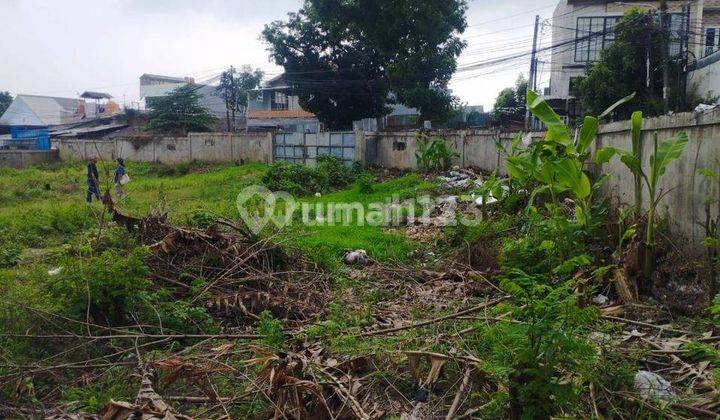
(513,315)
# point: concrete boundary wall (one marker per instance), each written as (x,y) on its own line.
(23,158)
(686,192)
(201,147)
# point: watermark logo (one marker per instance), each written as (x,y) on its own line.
(259,207)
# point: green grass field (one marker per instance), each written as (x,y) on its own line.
(45,207)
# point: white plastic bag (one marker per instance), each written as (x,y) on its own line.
(124,179)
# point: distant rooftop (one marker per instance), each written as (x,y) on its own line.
(95,95)
(164,78)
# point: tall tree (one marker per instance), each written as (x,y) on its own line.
(622,69)
(345,57)
(510,103)
(5,101)
(234,87)
(180,111)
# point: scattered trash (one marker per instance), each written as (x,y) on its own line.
(357,257)
(703,108)
(481,201)
(317,194)
(600,337)
(450,201)
(457,179)
(55,271)
(652,385)
(600,299)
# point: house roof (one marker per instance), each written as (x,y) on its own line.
(95,95)
(291,113)
(35,110)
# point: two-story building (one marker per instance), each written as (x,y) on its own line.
(585,28)
(275,107)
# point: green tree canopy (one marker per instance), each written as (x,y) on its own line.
(5,101)
(180,111)
(345,57)
(621,69)
(234,87)
(510,102)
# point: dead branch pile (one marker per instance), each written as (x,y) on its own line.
(234,276)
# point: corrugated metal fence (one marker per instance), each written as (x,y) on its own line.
(304,148)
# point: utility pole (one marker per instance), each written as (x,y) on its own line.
(532,81)
(685,54)
(665,25)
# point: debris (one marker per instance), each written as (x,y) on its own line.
(456,179)
(481,201)
(55,271)
(652,385)
(703,108)
(317,194)
(600,299)
(600,337)
(357,257)
(243,275)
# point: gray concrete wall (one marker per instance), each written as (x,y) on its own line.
(202,147)
(475,148)
(685,190)
(25,158)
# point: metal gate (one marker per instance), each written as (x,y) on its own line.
(304,148)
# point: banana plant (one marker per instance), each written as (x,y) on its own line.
(556,162)
(663,155)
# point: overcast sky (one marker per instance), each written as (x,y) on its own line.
(62,48)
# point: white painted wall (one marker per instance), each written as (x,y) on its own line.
(705,81)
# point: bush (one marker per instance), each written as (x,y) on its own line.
(365,183)
(434,154)
(9,254)
(330,173)
(107,286)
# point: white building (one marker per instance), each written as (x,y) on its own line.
(154,85)
(584,28)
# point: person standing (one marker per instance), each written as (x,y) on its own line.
(120,178)
(93,180)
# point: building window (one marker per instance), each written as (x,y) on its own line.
(280,102)
(712,40)
(678,33)
(592,35)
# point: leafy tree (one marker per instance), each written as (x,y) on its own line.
(344,58)
(234,87)
(621,69)
(510,102)
(5,101)
(180,111)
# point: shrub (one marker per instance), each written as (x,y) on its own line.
(365,183)
(272,331)
(9,254)
(433,154)
(330,173)
(108,286)
(334,169)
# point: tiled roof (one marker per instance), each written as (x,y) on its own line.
(291,113)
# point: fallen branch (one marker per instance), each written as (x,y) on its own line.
(642,324)
(355,406)
(134,336)
(435,320)
(459,395)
